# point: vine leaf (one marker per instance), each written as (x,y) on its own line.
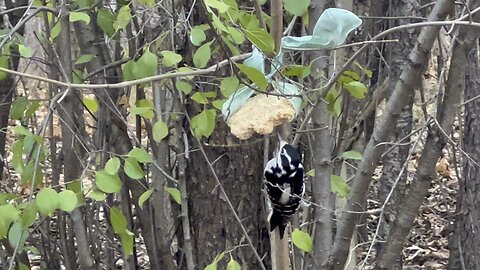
(302,240)
(47,201)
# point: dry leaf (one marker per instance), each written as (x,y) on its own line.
(442,168)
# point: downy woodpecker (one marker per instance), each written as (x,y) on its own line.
(284,183)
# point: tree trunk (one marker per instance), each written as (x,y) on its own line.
(464,243)
(214,228)
(393,161)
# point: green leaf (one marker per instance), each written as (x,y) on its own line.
(228,86)
(202,55)
(25,51)
(79,16)
(367,72)
(352,155)
(28,173)
(29,214)
(8,214)
(356,89)
(78,76)
(147,3)
(183,86)
(175,193)
(298,71)
(200,98)
(17,235)
(132,168)
(123,18)
(112,165)
(197,36)
(146,112)
(217,4)
(213,265)
(217,23)
(85,58)
(186,70)
(17,157)
(233,265)
(159,131)
(56,30)
(22,266)
(91,104)
(311,173)
(218,104)
(4,61)
(302,240)
(170,58)
(118,220)
(334,100)
(254,75)
(261,39)
(47,201)
(339,186)
(128,71)
(237,36)
(19,105)
(97,195)
(350,75)
(296,7)
(146,65)
(203,123)
(126,238)
(83,3)
(32,108)
(105,20)
(67,200)
(107,183)
(141,155)
(5,197)
(144,197)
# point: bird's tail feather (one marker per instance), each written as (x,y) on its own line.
(277,220)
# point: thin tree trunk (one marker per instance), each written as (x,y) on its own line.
(394,159)
(373,151)
(464,248)
(71,113)
(322,150)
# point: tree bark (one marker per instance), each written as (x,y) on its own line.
(214,229)
(322,160)
(397,56)
(464,248)
(73,127)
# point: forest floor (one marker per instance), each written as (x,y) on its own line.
(427,243)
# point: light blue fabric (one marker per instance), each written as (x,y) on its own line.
(256,60)
(235,101)
(290,89)
(331,30)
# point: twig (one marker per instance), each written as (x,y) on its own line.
(155,78)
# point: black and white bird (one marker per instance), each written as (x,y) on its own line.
(284,183)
